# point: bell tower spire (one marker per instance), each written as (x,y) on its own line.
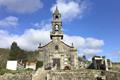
(56,32)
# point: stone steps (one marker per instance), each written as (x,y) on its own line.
(40,74)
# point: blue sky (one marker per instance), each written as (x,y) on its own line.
(92,25)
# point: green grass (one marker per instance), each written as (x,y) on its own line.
(3,71)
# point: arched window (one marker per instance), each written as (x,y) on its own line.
(56,17)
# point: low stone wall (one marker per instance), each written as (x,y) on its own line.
(116,67)
(110,75)
(17,76)
(82,74)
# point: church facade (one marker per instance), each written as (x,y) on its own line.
(57,54)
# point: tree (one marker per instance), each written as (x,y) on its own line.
(39,64)
(15,52)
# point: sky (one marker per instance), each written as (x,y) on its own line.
(93,26)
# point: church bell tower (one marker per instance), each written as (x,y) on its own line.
(56,33)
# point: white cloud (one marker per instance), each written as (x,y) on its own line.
(94,43)
(9,21)
(31,38)
(92,46)
(77,41)
(5,39)
(70,9)
(91,51)
(21,6)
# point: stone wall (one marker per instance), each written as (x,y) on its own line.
(116,66)
(17,76)
(110,75)
(83,74)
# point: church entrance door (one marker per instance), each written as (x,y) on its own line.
(56,62)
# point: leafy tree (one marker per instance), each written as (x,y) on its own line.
(16,53)
(39,64)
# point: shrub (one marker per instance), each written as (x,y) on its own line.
(3,71)
(39,64)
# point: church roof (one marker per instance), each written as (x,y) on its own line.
(45,45)
(66,44)
(52,41)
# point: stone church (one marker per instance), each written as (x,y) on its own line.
(57,54)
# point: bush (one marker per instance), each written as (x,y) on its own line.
(29,69)
(39,64)
(3,71)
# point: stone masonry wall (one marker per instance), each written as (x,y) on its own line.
(116,67)
(83,74)
(17,76)
(73,75)
(112,75)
